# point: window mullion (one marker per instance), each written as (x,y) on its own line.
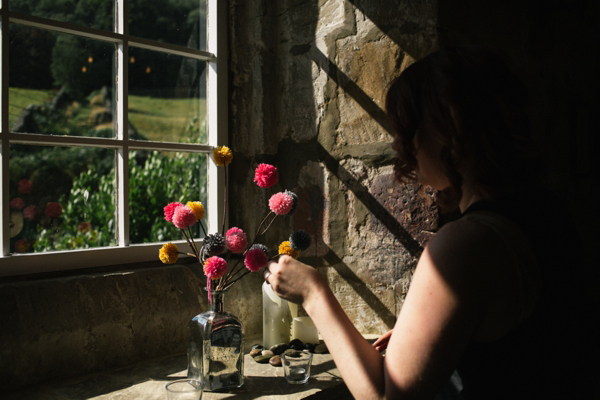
(5,229)
(122,165)
(216,98)
(4,145)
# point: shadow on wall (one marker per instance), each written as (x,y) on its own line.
(382,15)
(386,14)
(275,56)
(360,191)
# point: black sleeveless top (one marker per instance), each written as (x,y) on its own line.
(548,355)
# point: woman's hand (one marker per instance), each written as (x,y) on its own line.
(293,280)
(381,343)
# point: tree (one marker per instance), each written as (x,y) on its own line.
(171,21)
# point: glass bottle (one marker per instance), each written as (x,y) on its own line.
(216,347)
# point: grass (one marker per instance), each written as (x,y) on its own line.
(164,119)
(20,99)
(157,119)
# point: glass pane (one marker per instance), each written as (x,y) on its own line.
(167,97)
(97,14)
(61,198)
(157,179)
(60,84)
(180,22)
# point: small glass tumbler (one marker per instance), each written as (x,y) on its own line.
(184,389)
(296,365)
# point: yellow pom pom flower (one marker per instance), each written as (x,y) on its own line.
(197,208)
(286,248)
(222,155)
(168,253)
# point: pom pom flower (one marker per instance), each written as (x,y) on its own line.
(281,203)
(215,267)
(197,208)
(236,240)
(285,248)
(214,245)
(294,200)
(222,156)
(218,247)
(256,259)
(300,240)
(168,253)
(170,209)
(183,217)
(266,175)
(262,247)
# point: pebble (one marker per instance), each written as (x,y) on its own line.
(262,359)
(321,349)
(296,342)
(310,347)
(275,361)
(267,353)
(279,348)
(257,346)
(292,353)
(255,352)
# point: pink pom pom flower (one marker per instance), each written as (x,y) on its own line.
(184,217)
(256,259)
(281,203)
(215,267)
(266,175)
(170,209)
(236,240)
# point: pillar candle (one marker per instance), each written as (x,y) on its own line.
(304,329)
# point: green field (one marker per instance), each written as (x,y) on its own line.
(165,119)
(20,99)
(155,118)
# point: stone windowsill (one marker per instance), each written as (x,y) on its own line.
(147,381)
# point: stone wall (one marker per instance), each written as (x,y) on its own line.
(308,80)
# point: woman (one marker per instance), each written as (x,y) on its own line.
(481,300)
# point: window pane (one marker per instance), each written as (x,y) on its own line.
(61,198)
(157,179)
(60,84)
(180,22)
(167,97)
(97,14)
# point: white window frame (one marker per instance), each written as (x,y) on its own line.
(216,98)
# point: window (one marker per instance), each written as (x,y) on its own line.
(109,111)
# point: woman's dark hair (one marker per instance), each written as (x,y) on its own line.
(467,101)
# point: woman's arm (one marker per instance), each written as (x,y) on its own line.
(443,307)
